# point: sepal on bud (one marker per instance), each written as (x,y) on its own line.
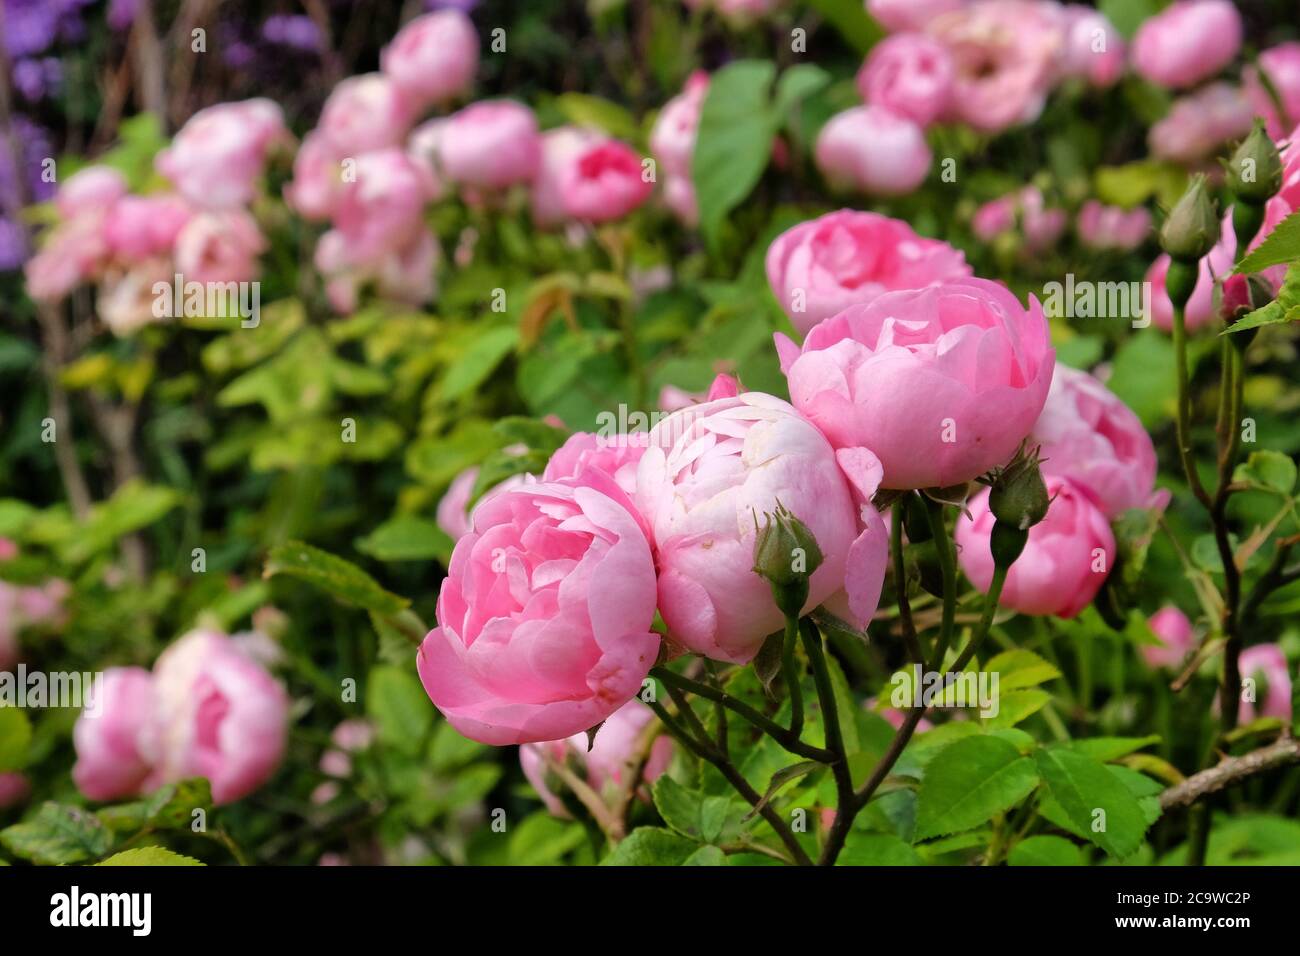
(1254,173)
(786,554)
(1018,496)
(1192,228)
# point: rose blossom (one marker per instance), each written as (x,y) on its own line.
(1040,225)
(433,58)
(822,266)
(1111,227)
(218,155)
(492,144)
(365,112)
(1197,124)
(604,181)
(1281,64)
(1174,632)
(615,455)
(138,227)
(382,207)
(873,150)
(116,738)
(1266,664)
(404,273)
(89,190)
(672,398)
(544,616)
(71,253)
(1187,42)
(901,15)
(672,139)
(1065,562)
(710,474)
(219,247)
(1094,49)
(910,74)
(317,179)
(560,149)
(126,298)
(942,383)
(1088,435)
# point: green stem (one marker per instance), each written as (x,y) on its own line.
(910,637)
(792,675)
(948,567)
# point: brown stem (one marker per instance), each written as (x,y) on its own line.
(1231,770)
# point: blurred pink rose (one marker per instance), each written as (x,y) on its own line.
(125,300)
(1174,631)
(365,112)
(710,473)
(873,150)
(93,189)
(1267,665)
(672,140)
(1040,225)
(14,789)
(405,273)
(219,247)
(544,616)
(138,227)
(1112,227)
(679,197)
(901,15)
(1094,49)
(1200,122)
(603,182)
(1281,64)
(560,149)
(910,74)
(895,716)
(216,158)
(381,207)
(822,266)
(116,739)
(1064,564)
(942,383)
(672,398)
(492,144)
(73,252)
(454,515)
(317,179)
(1088,435)
(1187,42)
(433,58)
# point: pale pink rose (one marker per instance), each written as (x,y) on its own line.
(544,616)
(219,154)
(353,735)
(219,247)
(1094,49)
(561,148)
(407,273)
(1267,665)
(335,763)
(138,227)
(1198,123)
(603,182)
(72,253)
(709,475)
(1175,635)
(910,74)
(1005,56)
(1088,435)
(1281,64)
(116,737)
(1040,225)
(454,515)
(14,789)
(873,150)
(433,58)
(492,145)
(822,266)
(1065,562)
(898,16)
(606,765)
(423,147)
(679,197)
(381,207)
(1187,42)
(1112,227)
(365,113)
(219,715)
(317,179)
(616,455)
(672,398)
(942,383)
(672,139)
(91,190)
(126,298)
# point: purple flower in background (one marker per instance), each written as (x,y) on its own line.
(37,78)
(238,54)
(464,6)
(13,248)
(299,32)
(36,149)
(121,13)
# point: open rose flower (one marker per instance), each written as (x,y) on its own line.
(1281,64)
(873,150)
(900,15)
(365,112)
(1040,225)
(116,738)
(216,158)
(1187,42)
(710,474)
(1094,49)
(433,58)
(910,74)
(1066,559)
(492,144)
(219,247)
(1112,227)
(138,227)
(1198,123)
(1175,635)
(942,383)
(544,616)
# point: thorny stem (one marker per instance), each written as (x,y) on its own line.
(948,567)
(812,640)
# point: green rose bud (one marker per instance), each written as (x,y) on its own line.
(1192,228)
(786,554)
(1255,170)
(1018,496)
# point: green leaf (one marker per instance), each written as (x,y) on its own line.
(58,834)
(1045,851)
(691,813)
(485,353)
(970,781)
(1269,470)
(1020,668)
(876,849)
(1284,308)
(149,856)
(582,109)
(406,538)
(706,856)
(651,846)
(797,83)
(173,804)
(1081,786)
(1017,705)
(542,840)
(134,505)
(851,20)
(1141,372)
(401,710)
(343,579)
(1106,749)
(734,140)
(1280,245)
(15,738)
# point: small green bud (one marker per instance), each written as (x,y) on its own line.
(786,554)
(1019,495)
(1192,228)
(1006,542)
(1255,170)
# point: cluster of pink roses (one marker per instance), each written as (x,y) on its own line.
(208,709)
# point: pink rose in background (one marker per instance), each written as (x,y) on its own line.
(1040,225)
(901,15)
(1066,559)
(1088,435)
(1112,227)
(910,74)
(942,383)
(116,739)
(219,247)
(434,57)
(365,112)
(71,253)
(1281,64)
(895,716)
(453,508)
(1200,122)
(1174,631)
(125,299)
(709,475)
(138,227)
(14,789)
(822,266)
(672,142)
(492,144)
(219,154)
(382,207)
(873,150)
(317,179)
(544,617)
(607,763)
(672,398)
(1005,55)
(93,189)
(405,273)
(1267,665)
(1094,49)
(1187,42)
(561,148)
(679,197)
(603,182)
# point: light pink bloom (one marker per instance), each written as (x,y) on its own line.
(672,398)
(138,227)
(364,113)
(1040,225)
(822,266)
(873,150)
(219,247)
(1174,632)
(896,716)
(616,455)
(317,179)
(1200,122)
(454,515)
(544,616)
(910,74)
(381,208)
(1065,562)
(1281,64)
(492,144)
(1094,49)
(1267,665)
(560,149)
(1187,42)
(942,383)
(902,15)
(73,252)
(93,189)
(407,273)
(710,474)
(603,182)
(672,140)
(116,739)
(1112,227)
(219,154)
(679,197)
(126,298)
(14,789)
(433,58)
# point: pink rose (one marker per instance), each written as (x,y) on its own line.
(405,273)
(609,760)
(679,197)
(317,179)
(219,247)
(822,266)
(138,227)
(1187,42)
(910,74)
(73,252)
(709,475)
(1281,64)
(433,58)
(1088,435)
(1094,49)
(14,789)
(1175,635)
(1065,562)
(1266,664)
(603,182)
(93,189)
(544,616)
(672,398)
(8,626)
(898,16)
(1040,225)
(561,148)
(942,383)
(873,150)
(126,297)
(216,158)
(492,144)
(615,455)
(381,208)
(1111,227)
(364,113)
(672,140)
(116,737)
(453,508)
(1200,122)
